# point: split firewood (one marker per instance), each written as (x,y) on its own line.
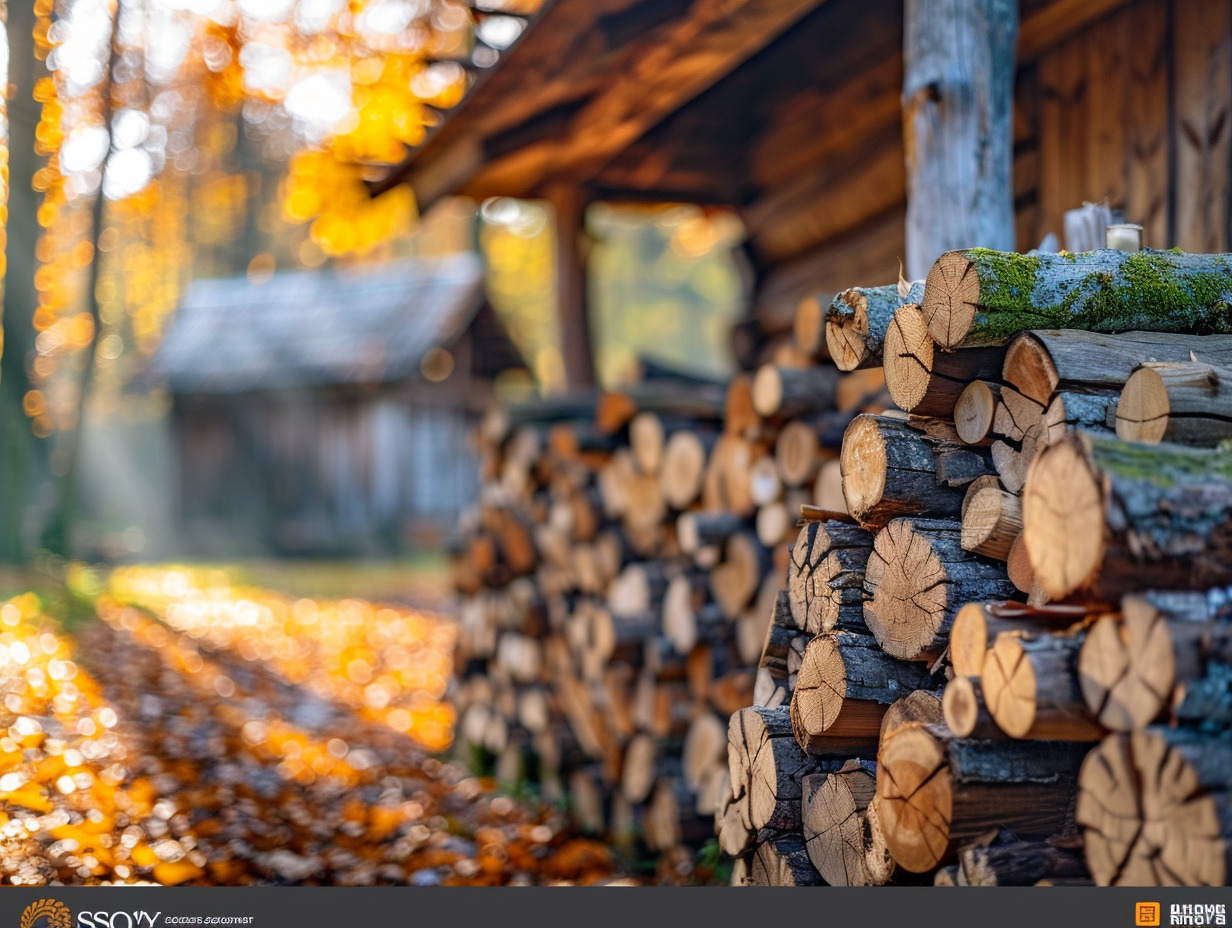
(842,838)
(978,625)
(1187,402)
(857,319)
(783,861)
(917,579)
(1105,518)
(1003,859)
(981,297)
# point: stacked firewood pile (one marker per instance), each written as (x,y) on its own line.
(1012,662)
(617,579)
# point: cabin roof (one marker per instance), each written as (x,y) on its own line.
(364,325)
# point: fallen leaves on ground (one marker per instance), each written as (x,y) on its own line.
(205,743)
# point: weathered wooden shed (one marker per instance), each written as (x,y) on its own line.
(327,412)
(790,112)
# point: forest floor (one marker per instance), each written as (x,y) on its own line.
(188,726)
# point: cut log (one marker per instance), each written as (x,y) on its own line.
(1189,402)
(917,579)
(834,811)
(797,453)
(857,319)
(935,791)
(918,708)
(889,470)
(765,761)
(828,487)
(1130,666)
(786,392)
(926,381)
(783,862)
(683,468)
(991,520)
(1088,411)
(726,483)
(1006,860)
(1018,566)
(981,297)
(1041,363)
(1031,688)
(974,411)
(765,485)
(827,565)
(1154,809)
(646,440)
(809,327)
(705,746)
(845,684)
(966,713)
(735,581)
(1106,518)
(697,530)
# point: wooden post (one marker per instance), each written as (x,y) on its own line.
(958,60)
(569,205)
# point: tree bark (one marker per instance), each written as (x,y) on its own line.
(958,80)
(982,297)
(856,322)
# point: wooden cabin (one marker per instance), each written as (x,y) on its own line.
(791,113)
(327,412)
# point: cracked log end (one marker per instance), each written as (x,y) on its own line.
(1063,519)
(908,357)
(951,295)
(914,799)
(1142,411)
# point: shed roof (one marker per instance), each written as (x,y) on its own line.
(311,328)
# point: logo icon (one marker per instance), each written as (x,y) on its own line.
(1146,915)
(46,913)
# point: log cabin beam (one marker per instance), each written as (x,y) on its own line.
(573,311)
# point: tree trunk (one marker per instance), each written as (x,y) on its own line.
(982,297)
(958,64)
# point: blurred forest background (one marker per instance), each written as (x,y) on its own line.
(150,143)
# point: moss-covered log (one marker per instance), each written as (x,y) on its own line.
(982,297)
(1104,517)
(856,322)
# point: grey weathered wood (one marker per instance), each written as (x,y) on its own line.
(783,862)
(958,64)
(856,322)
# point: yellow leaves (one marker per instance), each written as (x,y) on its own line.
(345,219)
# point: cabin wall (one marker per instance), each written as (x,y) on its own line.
(321,472)
(1135,108)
